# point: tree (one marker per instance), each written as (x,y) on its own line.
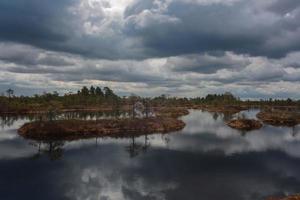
(132,100)
(147,109)
(289,101)
(85,91)
(55,94)
(99,92)
(10,92)
(108,93)
(116,107)
(92,90)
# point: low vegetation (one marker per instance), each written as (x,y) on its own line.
(245,124)
(145,115)
(279,117)
(79,129)
(105,99)
(291,197)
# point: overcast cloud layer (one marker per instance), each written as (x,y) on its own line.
(149,47)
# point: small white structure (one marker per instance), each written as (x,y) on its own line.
(141,111)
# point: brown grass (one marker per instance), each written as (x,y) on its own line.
(77,129)
(279,117)
(245,124)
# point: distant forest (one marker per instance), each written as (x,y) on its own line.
(89,97)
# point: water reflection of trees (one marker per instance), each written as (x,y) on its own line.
(224,116)
(91,115)
(294,131)
(135,148)
(137,145)
(227,116)
(53,149)
(83,115)
(215,116)
(10,120)
(166,139)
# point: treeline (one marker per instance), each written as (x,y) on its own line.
(216,99)
(91,97)
(273,102)
(84,98)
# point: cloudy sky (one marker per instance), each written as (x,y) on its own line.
(150,47)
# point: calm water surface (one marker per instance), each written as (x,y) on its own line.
(207,161)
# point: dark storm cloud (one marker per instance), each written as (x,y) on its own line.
(154,28)
(116,75)
(206,64)
(284,6)
(241,27)
(295,65)
(52,25)
(30,57)
(35,22)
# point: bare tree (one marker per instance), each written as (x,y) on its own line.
(10,92)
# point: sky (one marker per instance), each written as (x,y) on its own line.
(151,47)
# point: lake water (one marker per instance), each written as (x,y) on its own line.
(206,160)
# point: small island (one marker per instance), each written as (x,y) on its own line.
(245,124)
(291,197)
(80,129)
(279,117)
